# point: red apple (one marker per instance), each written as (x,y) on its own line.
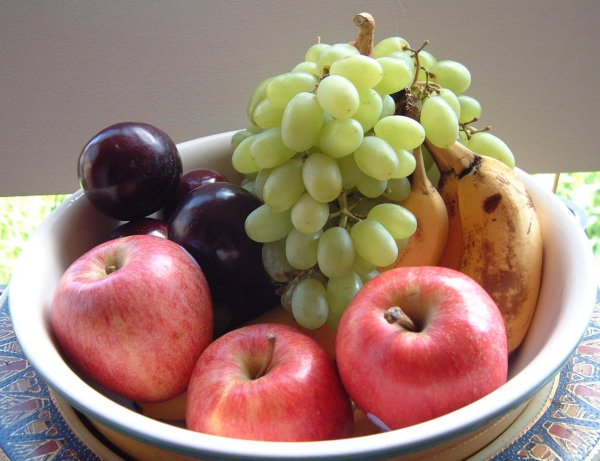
(134,315)
(420,342)
(268,382)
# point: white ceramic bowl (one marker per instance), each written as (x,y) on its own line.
(564,309)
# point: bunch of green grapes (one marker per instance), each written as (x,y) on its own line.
(328,149)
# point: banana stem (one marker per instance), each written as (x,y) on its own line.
(458,157)
(366,33)
(420,181)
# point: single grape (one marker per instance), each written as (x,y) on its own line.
(259,94)
(302,122)
(397,75)
(390,45)
(268,149)
(308,67)
(470,109)
(351,174)
(452,75)
(398,189)
(388,106)
(439,121)
(406,164)
(371,187)
(376,158)
(369,109)
(341,290)
(364,72)
(335,253)
(374,243)
(275,261)
(301,249)
(260,180)
(266,115)
(398,221)
(400,132)
(284,186)
(309,215)
(309,303)
(314,52)
(265,225)
(452,100)
(341,137)
(332,53)
(322,177)
(242,159)
(282,88)
(338,96)
(485,143)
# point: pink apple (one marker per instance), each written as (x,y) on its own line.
(268,382)
(134,315)
(448,350)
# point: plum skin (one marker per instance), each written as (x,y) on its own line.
(129,170)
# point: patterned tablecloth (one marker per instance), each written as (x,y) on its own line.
(566,426)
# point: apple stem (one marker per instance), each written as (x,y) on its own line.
(396,315)
(110,268)
(271,338)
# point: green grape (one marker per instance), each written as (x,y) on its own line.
(301,249)
(340,137)
(238,137)
(370,276)
(275,261)
(259,93)
(282,88)
(333,53)
(308,215)
(351,174)
(485,143)
(364,72)
(400,132)
(374,243)
(260,180)
(376,158)
(398,189)
(307,66)
(427,158)
(284,186)
(371,187)
(268,149)
(397,75)
(266,115)
(341,291)
(335,254)
(338,96)
(426,60)
(302,122)
(242,159)
(398,221)
(388,106)
(309,303)
(406,164)
(248,184)
(314,52)
(390,45)
(361,265)
(369,109)
(440,122)
(470,109)
(265,225)
(452,75)
(451,99)
(322,177)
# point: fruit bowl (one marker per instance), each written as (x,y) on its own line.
(564,308)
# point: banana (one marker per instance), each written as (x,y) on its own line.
(448,189)
(426,245)
(501,235)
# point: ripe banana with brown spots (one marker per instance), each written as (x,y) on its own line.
(501,234)
(426,245)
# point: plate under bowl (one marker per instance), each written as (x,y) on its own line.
(564,308)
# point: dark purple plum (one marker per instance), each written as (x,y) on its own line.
(190,181)
(129,170)
(209,224)
(144,226)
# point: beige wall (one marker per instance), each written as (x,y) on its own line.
(68,68)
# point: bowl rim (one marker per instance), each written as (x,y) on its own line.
(580,288)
